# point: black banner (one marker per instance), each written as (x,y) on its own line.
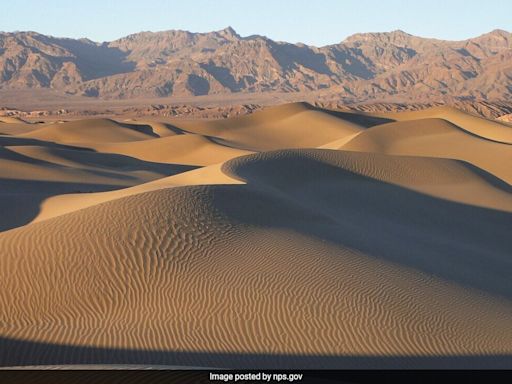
(252,376)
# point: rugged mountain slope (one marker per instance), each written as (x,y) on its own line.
(179,63)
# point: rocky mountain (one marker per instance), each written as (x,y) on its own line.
(368,66)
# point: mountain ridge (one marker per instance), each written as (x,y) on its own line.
(362,67)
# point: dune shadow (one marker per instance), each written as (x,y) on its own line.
(142,128)
(461,243)
(361,119)
(174,129)
(14,141)
(364,120)
(15,352)
(475,135)
(20,200)
(490,178)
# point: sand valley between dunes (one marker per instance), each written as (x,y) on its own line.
(294,237)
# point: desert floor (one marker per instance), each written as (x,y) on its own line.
(294,237)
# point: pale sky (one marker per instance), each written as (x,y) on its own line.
(315,22)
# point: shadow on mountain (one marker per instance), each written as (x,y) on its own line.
(351,63)
(289,55)
(96,60)
(223,76)
(198,85)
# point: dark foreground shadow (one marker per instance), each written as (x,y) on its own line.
(18,352)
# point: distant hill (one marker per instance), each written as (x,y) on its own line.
(367,66)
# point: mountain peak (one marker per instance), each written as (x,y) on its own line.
(496,33)
(229,32)
(379,36)
(499,32)
(498,39)
(399,32)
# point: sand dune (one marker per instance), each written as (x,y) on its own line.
(192,149)
(92,130)
(435,138)
(305,239)
(202,143)
(61,204)
(16,128)
(479,126)
(31,171)
(11,120)
(297,125)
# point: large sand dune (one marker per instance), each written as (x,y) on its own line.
(292,238)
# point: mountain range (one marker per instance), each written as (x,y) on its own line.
(363,67)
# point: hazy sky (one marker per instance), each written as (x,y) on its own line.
(317,22)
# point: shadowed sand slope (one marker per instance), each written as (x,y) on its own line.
(391,251)
(33,170)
